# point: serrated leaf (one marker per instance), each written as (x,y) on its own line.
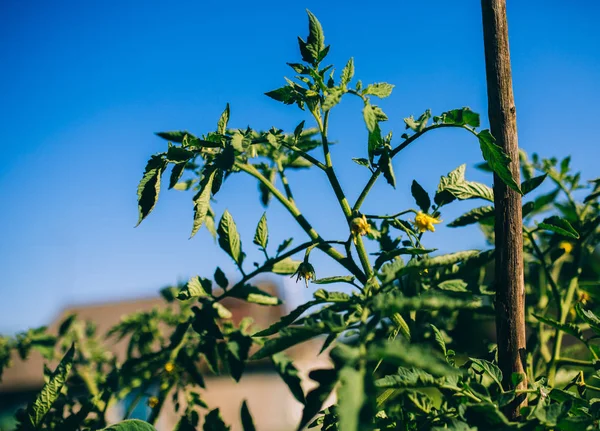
(497,159)
(214,422)
(378,89)
(490,369)
(439,339)
(370,117)
(408,378)
(569,328)
(286,95)
(444,259)
(400,353)
(223,120)
(391,254)
(315,398)
(315,43)
(288,337)
(178,154)
(289,374)
(454,285)
(335,279)
(419,124)
(351,397)
(328,296)
(588,317)
(229,238)
(253,295)
(287,266)
(461,117)
(532,183)
(176,174)
(457,176)
(130,425)
(347,73)
(334,95)
(174,136)
(385,165)
(285,244)
(560,226)
(202,200)
(196,287)
(287,320)
(247,422)
(470,190)
(261,236)
(375,142)
(221,279)
(421,197)
(149,187)
(36,411)
(473,216)
(298,131)
(361,162)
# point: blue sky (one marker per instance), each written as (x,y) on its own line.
(85,84)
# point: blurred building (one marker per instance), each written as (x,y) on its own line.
(269,399)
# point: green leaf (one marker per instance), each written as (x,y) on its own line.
(532,183)
(285,244)
(36,412)
(247,422)
(222,124)
(178,154)
(326,380)
(455,285)
(289,374)
(461,117)
(388,304)
(400,353)
(391,254)
(490,369)
(334,95)
(569,328)
(379,89)
(347,73)
(286,94)
(174,136)
(457,176)
(421,197)
(385,164)
(328,296)
(229,238)
(214,422)
(196,287)
(315,42)
(470,190)
(419,124)
(408,378)
(444,259)
(375,142)
(261,236)
(560,226)
(287,320)
(588,317)
(130,425)
(361,162)
(238,347)
(370,117)
(254,295)
(202,200)
(298,131)
(176,174)
(221,279)
(149,187)
(287,266)
(473,216)
(336,279)
(439,339)
(288,337)
(351,397)
(497,159)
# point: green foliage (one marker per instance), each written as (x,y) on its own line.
(408,338)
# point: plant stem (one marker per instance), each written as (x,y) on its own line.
(391,216)
(306,156)
(346,262)
(574,362)
(286,184)
(540,255)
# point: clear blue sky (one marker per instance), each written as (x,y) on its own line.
(83,86)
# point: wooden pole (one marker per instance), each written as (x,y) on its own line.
(510,286)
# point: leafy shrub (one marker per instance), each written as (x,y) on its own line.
(398,357)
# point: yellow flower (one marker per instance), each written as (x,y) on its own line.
(424,222)
(566,246)
(359,226)
(583,297)
(152,402)
(304,272)
(169,367)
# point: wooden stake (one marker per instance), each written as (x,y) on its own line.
(510,286)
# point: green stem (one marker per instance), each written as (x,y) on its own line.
(540,255)
(306,156)
(574,362)
(391,216)
(286,184)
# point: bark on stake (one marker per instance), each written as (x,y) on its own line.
(510,287)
